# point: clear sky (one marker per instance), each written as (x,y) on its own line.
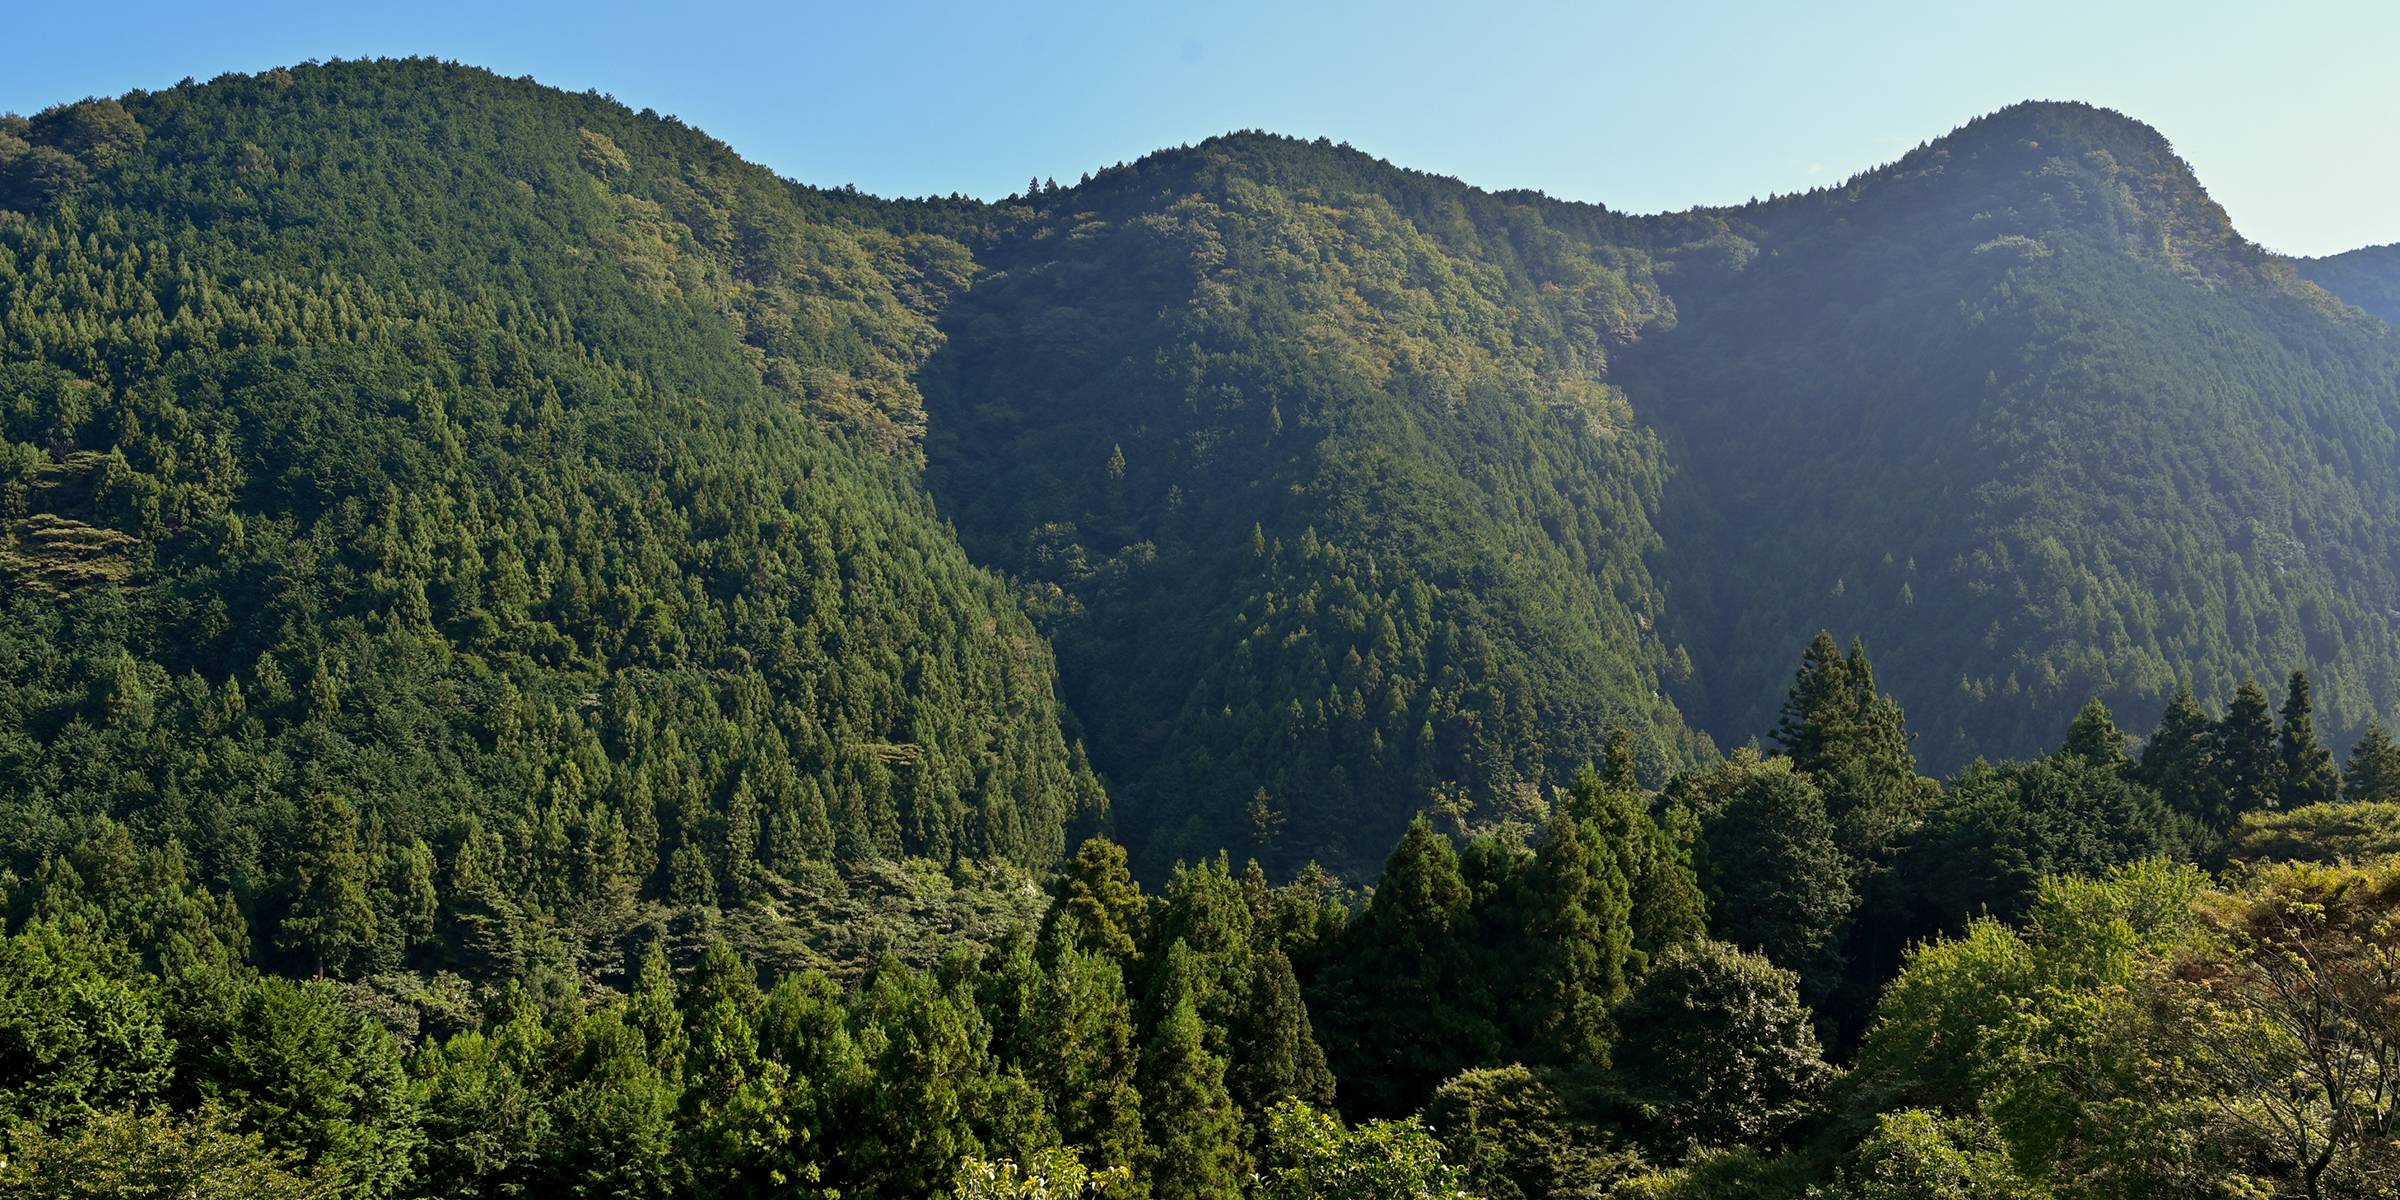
(2287,111)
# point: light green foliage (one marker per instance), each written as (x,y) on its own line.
(1052,1175)
(1310,1155)
(145,1156)
(2359,832)
(1918,1155)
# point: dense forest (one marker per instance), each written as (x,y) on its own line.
(544,659)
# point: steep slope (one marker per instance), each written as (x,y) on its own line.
(401,460)
(2368,278)
(1319,466)
(2027,413)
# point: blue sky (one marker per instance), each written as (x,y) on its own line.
(2287,111)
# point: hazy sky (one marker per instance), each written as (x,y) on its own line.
(2287,111)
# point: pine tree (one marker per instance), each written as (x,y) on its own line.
(332,921)
(2249,769)
(1777,881)
(1097,905)
(2372,774)
(1576,956)
(2308,775)
(2179,760)
(2094,736)
(1077,1041)
(1194,1131)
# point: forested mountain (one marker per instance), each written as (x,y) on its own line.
(2368,278)
(417,481)
(1316,470)
(542,659)
(2027,412)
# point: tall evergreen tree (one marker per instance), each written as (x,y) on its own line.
(1079,1046)
(1097,905)
(2372,773)
(332,922)
(2094,736)
(1275,1055)
(1408,1007)
(2249,768)
(1194,1130)
(2307,775)
(1777,881)
(2179,762)
(1574,933)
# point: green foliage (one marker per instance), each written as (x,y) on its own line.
(1919,1155)
(2024,410)
(2372,775)
(141,1156)
(1346,431)
(2368,277)
(1051,1175)
(2308,776)
(1777,881)
(1725,1048)
(572,494)
(1310,1155)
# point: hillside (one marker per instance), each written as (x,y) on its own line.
(1316,467)
(421,483)
(472,431)
(2024,411)
(2368,278)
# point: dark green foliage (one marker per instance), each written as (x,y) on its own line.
(570,492)
(1518,1137)
(1410,1005)
(2095,738)
(1316,467)
(2372,775)
(2000,830)
(1777,881)
(1195,1152)
(1724,1046)
(2249,767)
(2307,775)
(2179,762)
(2024,410)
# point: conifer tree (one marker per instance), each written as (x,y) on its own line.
(1079,1046)
(2179,760)
(2249,768)
(1194,1130)
(2307,774)
(1777,881)
(1575,926)
(1097,905)
(1275,1056)
(332,922)
(2094,736)
(1409,1005)
(2372,773)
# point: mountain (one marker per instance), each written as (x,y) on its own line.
(2024,411)
(2368,278)
(404,465)
(401,451)
(1316,468)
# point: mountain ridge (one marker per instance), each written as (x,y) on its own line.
(1344,488)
